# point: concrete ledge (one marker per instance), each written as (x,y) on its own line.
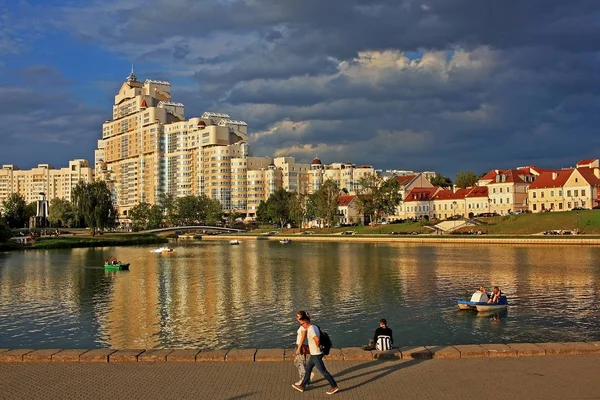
(125,356)
(412,353)
(356,353)
(500,350)
(289,354)
(68,355)
(553,349)
(527,349)
(14,355)
(240,355)
(443,351)
(471,351)
(97,355)
(334,355)
(582,348)
(183,355)
(393,354)
(40,355)
(277,355)
(212,355)
(269,355)
(154,355)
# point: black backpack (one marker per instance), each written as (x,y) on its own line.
(324,341)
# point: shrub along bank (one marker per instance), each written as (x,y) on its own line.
(67,242)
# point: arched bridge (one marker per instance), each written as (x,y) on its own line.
(194,228)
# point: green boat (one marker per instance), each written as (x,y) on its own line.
(117,267)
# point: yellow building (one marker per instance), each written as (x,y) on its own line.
(148,148)
(53,183)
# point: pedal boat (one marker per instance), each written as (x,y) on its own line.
(479,302)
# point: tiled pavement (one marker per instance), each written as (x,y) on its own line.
(557,377)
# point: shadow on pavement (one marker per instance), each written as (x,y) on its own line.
(242,396)
(388,367)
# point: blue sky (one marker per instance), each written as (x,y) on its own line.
(442,85)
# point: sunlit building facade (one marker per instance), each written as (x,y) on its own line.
(44,180)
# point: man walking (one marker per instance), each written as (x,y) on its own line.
(316,357)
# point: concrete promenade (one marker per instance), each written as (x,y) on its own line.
(514,371)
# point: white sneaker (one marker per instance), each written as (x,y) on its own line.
(312,376)
(298,383)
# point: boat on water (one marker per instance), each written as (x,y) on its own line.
(234,242)
(117,267)
(479,302)
(163,250)
(285,241)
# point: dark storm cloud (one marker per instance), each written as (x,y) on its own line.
(429,84)
(44,124)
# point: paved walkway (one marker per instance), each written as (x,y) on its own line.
(550,377)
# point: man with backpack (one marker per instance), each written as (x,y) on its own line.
(315,335)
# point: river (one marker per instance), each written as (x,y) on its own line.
(213,295)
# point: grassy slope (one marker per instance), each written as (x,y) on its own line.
(589,222)
(524,224)
(96,241)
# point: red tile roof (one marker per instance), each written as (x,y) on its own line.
(512,175)
(478,191)
(421,194)
(586,162)
(589,176)
(450,195)
(405,180)
(344,201)
(552,179)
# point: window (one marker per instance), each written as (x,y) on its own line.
(552,193)
(542,195)
(494,190)
(560,206)
(534,207)
(500,190)
(534,195)
(568,193)
(569,204)
(575,193)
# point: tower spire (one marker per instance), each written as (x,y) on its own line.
(132,77)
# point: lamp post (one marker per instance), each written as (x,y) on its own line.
(454,216)
(489,205)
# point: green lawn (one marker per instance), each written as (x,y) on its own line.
(588,222)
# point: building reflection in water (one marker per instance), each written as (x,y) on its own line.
(212,295)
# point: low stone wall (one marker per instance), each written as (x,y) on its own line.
(271,355)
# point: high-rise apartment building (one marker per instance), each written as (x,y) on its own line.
(52,182)
(149,148)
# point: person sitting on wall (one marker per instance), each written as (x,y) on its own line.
(383,337)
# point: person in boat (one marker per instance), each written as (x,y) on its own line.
(496,294)
(482,290)
(114,261)
(383,337)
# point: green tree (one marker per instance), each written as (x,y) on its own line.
(31,210)
(326,202)
(188,211)
(465,179)
(168,204)
(262,216)
(155,217)
(93,202)
(5,232)
(212,210)
(61,213)
(15,213)
(140,215)
(278,207)
(298,208)
(441,180)
(378,197)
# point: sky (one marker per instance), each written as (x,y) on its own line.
(436,85)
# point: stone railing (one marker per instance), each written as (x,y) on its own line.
(260,355)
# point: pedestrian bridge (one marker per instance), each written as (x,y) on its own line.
(195,228)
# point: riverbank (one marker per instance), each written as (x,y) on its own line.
(448,239)
(272,355)
(80,241)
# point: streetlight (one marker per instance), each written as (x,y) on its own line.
(454,216)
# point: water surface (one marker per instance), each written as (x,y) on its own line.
(213,295)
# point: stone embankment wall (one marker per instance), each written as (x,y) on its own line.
(260,355)
(524,240)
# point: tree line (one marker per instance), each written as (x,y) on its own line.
(375,197)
